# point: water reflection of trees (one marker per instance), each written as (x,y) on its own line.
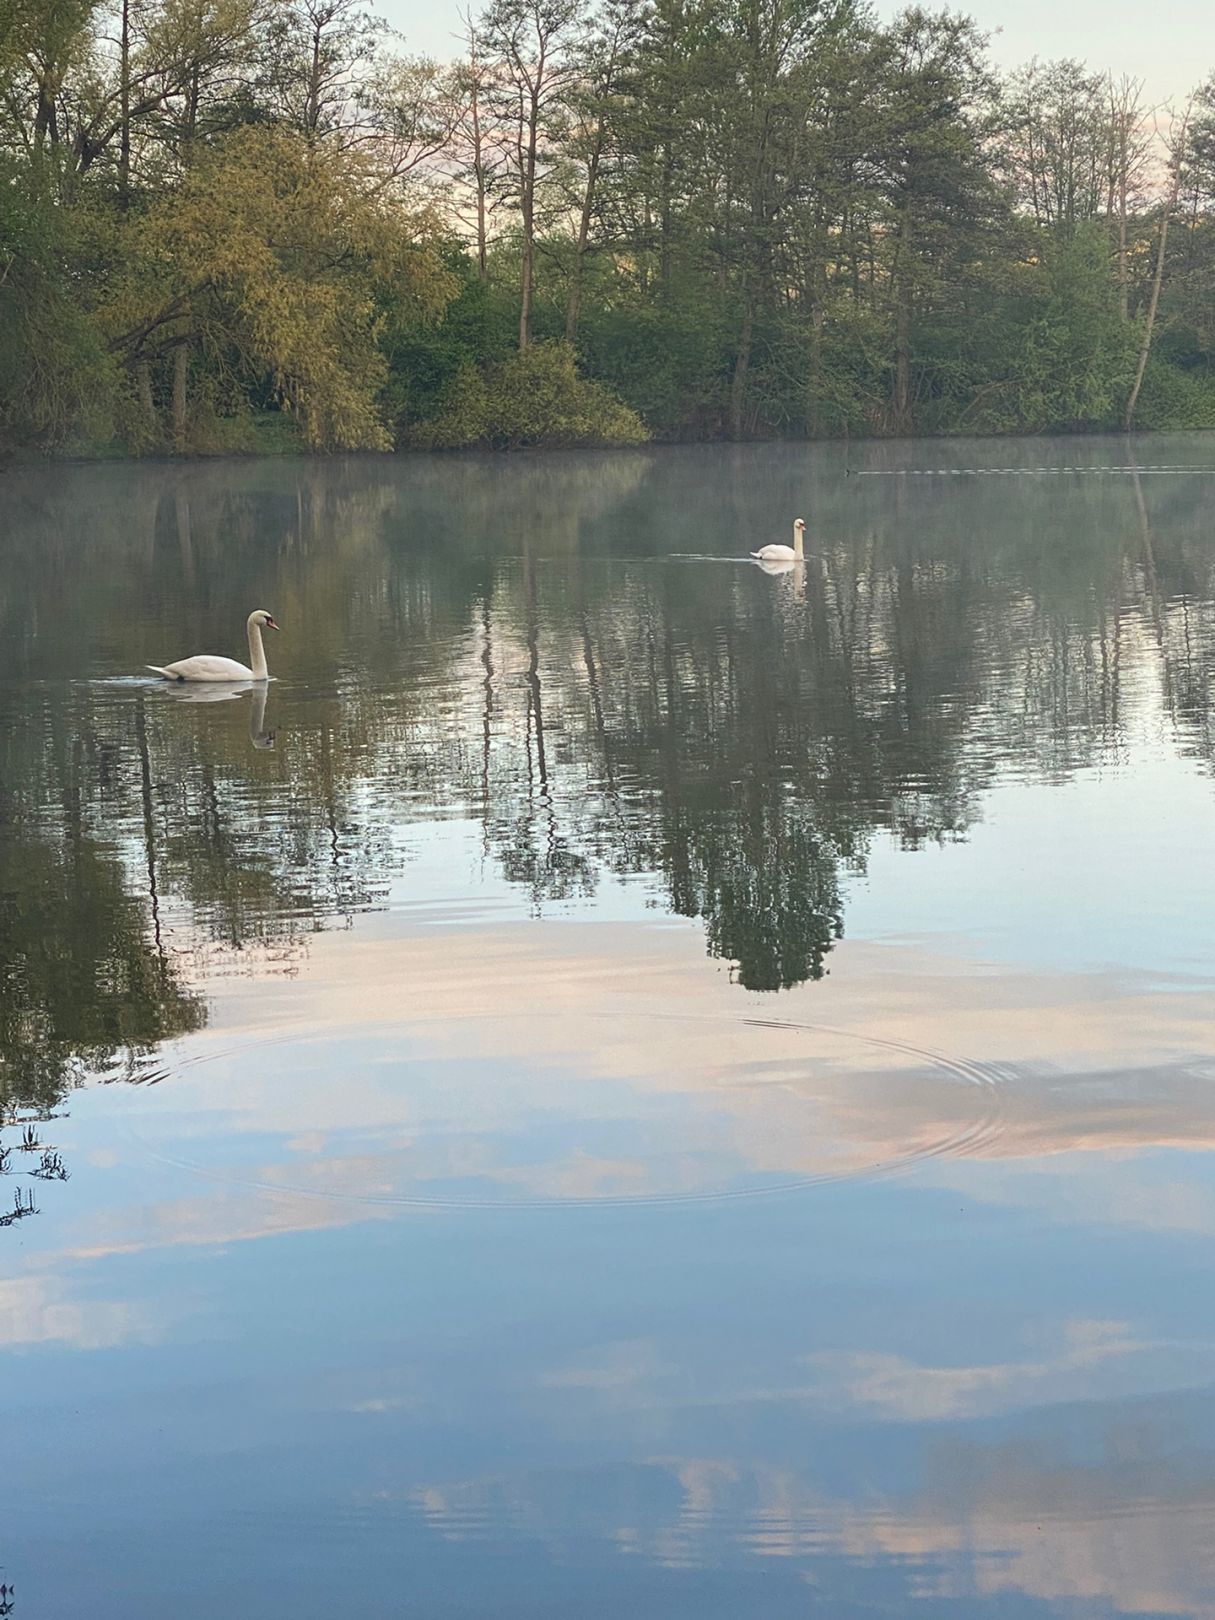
(731,741)
(85,986)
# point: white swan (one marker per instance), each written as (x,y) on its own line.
(774,554)
(207,667)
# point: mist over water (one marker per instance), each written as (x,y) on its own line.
(619,1083)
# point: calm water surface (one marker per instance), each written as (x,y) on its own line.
(623,1086)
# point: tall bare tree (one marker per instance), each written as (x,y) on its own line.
(1176,138)
(535,43)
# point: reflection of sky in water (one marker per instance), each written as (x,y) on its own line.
(450,1268)
(1024,886)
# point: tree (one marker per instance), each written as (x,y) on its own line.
(937,192)
(595,110)
(1126,169)
(534,42)
(1058,117)
(269,258)
(1177,152)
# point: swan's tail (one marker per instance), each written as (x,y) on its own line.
(755,554)
(168,675)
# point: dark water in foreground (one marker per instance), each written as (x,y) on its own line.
(627,1087)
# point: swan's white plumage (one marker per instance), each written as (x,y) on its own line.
(783,554)
(210,667)
(205,667)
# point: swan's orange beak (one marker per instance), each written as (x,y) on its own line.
(270,624)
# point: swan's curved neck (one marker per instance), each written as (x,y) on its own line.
(797,542)
(257,653)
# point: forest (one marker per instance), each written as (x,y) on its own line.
(264,225)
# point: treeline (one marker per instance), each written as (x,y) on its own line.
(241,224)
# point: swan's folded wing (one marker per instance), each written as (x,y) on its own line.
(205,667)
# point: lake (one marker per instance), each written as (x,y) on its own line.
(620,1085)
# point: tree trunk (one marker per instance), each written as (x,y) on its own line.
(124,133)
(574,300)
(664,223)
(901,403)
(742,363)
(312,106)
(902,359)
(189,115)
(814,370)
(143,385)
(1124,119)
(1124,304)
(479,172)
(181,360)
(528,210)
(46,121)
(1170,203)
(525,292)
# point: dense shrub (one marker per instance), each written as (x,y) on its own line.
(1172,399)
(532,398)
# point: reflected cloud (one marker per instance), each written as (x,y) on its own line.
(986,1522)
(1076,1064)
(37,1311)
(226,1215)
(891,1387)
(627,1365)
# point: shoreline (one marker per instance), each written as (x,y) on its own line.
(26,460)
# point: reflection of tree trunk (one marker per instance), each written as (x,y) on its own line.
(592,678)
(149,826)
(533,674)
(536,713)
(1149,557)
(487,663)
(331,820)
(185,538)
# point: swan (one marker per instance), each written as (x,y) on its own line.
(207,667)
(774,554)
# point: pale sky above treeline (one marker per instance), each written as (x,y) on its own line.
(1171,47)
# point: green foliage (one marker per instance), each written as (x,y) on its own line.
(533,398)
(671,364)
(1056,356)
(480,323)
(58,385)
(1175,400)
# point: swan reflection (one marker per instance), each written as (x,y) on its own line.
(258,735)
(228,692)
(209,692)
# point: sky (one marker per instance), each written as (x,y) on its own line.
(1171,46)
